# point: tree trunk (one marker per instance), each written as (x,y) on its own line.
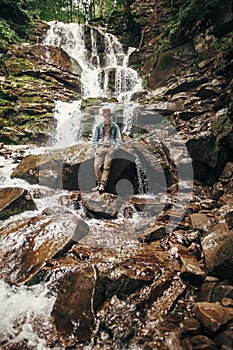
(101,8)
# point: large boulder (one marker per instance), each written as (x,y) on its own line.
(212,315)
(14,200)
(101,206)
(209,157)
(27,244)
(73,310)
(217,246)
(37,76)
(73,168)
(163,66)
(52,61)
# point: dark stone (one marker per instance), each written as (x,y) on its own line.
(212,315)
(213,291)
(32,242)
(225,338)
(73,310)
(190,326)
(14,200)
(217,246)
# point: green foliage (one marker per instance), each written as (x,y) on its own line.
(227,44)
(188,17)
(222,125)
(75,10)
(14,12)
(7,36)
(15,24)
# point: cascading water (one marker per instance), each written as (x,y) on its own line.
(103,74)
(100,77)
(96,73)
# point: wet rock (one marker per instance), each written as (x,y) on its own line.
(74,168)
(225,339)
(227,302)
(42,169)
(212,315)
(190,269)
(14,200)
(119,320)
(224,214)
(75,306)
(217,246)
(227,171)
(48,169)
(214,291)
(56,210)
(40,30)
(101,206)
(203,342)
(153,206)
(153,233)
(161,305)
(208,155)
(216,191)
(58,65)
(127,277)
(199,221)
(28,244)
(190,326)
(167,64)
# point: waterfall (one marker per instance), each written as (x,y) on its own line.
(69,124)
(104,76)
(142,180)
(104,73)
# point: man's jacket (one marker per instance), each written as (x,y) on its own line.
(114,135)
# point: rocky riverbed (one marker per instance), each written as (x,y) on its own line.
(117,274)
(148,264)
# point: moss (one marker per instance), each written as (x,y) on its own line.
(223,125)
(8,36)
(17,65)
(6,103)
(4,214)
(165,60)
(89,102)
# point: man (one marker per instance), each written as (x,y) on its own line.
(106,139)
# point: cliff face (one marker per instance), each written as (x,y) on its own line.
(185,56)
(180,36)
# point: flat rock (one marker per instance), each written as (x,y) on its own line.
(199,221)
(28,244)
(102,205)
(212,315)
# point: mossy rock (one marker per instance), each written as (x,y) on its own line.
(17,65)
(95,101)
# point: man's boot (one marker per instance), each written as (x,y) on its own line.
(94,189)
(101,188)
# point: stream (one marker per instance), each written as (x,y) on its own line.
(27,308)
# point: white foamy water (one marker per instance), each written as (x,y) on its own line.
(25,315)
(69,124)
(95,74)
(24,308)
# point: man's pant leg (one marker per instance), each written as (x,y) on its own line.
(98,163)
(107,165)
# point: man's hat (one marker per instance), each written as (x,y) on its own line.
(106,111)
